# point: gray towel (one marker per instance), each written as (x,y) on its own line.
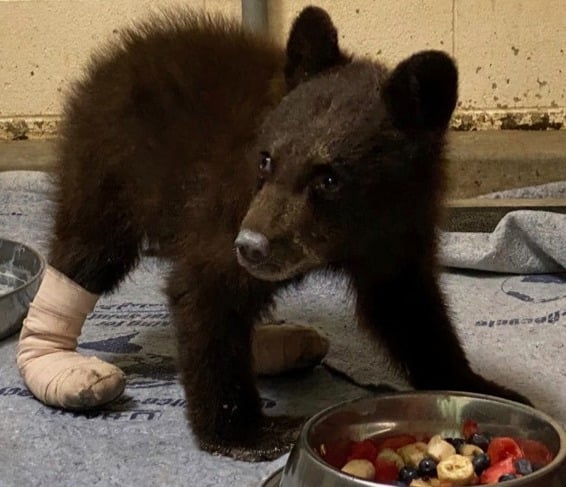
(523,241)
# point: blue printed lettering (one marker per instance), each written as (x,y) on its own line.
(554,317)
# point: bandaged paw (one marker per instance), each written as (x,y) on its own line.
(53,371)
(280,348)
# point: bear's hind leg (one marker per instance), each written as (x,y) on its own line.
(92,251)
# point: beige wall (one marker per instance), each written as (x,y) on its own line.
(510,52)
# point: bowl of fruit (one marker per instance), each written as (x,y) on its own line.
(427,439)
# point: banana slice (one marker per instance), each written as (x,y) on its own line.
(457,469)
(427,483)
(413,454)
(360,468)
(470,450)
(420,483)
(440,449)
(389,455)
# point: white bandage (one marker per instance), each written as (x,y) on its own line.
(59,376)
(54,372)
(280,348)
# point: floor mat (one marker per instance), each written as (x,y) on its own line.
(513,327)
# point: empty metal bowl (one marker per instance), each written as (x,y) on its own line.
(21,268)
(426,413)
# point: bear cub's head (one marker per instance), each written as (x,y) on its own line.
(349,163)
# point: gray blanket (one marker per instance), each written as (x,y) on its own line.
(513,326)
(523,241)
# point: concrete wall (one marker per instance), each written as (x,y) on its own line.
(510,52)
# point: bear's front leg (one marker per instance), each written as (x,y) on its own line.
(214,321)
(407,312)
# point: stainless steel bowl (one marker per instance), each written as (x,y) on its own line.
(21,268)
(417,413)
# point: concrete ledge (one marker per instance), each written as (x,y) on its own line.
(487,161)
(478,163)
(31,155)
(483,215)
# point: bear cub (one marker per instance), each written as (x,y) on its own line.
(248,165)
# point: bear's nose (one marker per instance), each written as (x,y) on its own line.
(253,247)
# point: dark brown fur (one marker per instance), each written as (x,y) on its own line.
(162,141)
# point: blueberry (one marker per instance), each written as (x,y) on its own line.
(507,476)
(480,462)
(456,442)
(427,467)
(479,440)
(408,474)
(523,466)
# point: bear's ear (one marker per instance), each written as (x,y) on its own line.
(312,46)
(422,91)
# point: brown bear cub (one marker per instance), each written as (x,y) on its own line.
(248,166)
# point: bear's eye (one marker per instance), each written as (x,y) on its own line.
(265,164)
(327,183)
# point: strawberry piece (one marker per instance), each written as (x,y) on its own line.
(492,474)
(396,442)
(335,454)
(534,451)
(363,450)
(502,447)
(469,428)
(385,471)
